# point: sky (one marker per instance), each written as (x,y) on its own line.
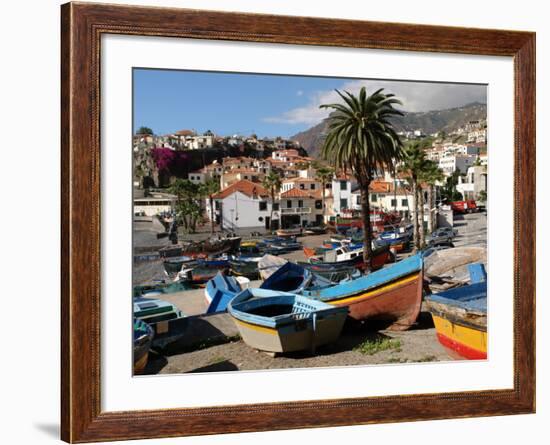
(268,105)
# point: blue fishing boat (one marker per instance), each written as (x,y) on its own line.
(219,291)
(460,317)
(392,294)
(143,337)
(281,322)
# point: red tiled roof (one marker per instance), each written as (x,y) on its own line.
(244,186)
(297,193)
(185,133)
(379,187)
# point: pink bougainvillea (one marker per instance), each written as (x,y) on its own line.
(167,160)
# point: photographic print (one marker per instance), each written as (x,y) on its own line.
(294,221)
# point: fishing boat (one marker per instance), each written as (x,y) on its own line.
(154,310)
(293,231)
(245,267)
(201,273)
(293,278)
(211,247)
(352,257)
(173,265)
(157,288)
(219,291)
(392,295)
(460,317)
(281,322)
(268,264)
(143,337)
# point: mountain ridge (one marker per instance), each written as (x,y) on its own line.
(429,122)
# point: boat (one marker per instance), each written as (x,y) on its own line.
(280,322)
(156,288)
(201,273)
(288,277)
(143,337)
(392,295)
(352,257)
(219,291)
(173,265)
(211,247)
(460,317)
(293,231)
(168,323)
(293,278)
(268,264)
(245,267)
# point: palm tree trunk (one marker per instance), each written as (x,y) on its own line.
(271,213)
(421,228)
(431,212)
(415,221)
(211,214)
(367,229)
(323,185)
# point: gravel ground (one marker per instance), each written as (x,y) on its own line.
(416,345)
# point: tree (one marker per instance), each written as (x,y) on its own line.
(431,175)
(188,209)
(144,130)
(272,182)
(209,189)
(449,192)
(361,138)
(324,175)
(414,165)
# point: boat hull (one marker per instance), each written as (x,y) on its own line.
(299,336)
(461,342)
(397,302)
(392,295)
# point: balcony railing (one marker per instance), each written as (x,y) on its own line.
(296,210)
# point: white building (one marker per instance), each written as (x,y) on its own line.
(300,207)
(448,164)
(474,183)
(243,204)
(342,193)
(154,204)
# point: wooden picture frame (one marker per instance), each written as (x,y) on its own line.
(82,26)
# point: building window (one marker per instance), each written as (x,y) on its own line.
(289,204)
(302,186)
(358,199)
(343,185)
(393,202)
(404,202)
(343,203)
(275,206)
(263,206)
(312,186)
(318,204)
(328,185)
(374,197)
(217,205)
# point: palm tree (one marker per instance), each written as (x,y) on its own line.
(361,138)
(413,165)
(324,175)
(432,175)
(272,182)
(209,189)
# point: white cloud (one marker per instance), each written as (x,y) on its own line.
(299,93)
(416,96)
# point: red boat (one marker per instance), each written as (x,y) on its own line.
(392,295)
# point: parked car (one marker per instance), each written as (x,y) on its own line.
(442,236)
(467,206)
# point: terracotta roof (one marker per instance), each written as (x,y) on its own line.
(300,180)
(244,186)
(185,133)
(241,170)
(379,187)
(297,193)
